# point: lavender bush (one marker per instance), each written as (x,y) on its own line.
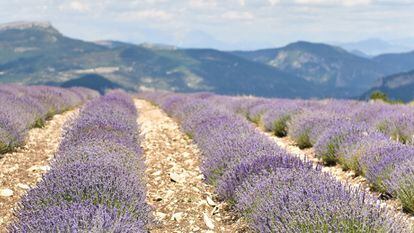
(381,160)
(96,179)
(27,107)
(342,132)
(307,127)
(398,124)
(234,178)
(400,183)
(78,217)
(352,149)
(277,118)
(255,112)
(275,191)
(366,137)
(304,200)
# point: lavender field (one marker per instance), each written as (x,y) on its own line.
(202,162)
(23,108)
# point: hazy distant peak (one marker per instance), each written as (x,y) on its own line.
(21,25)
(359,53)
(375,46)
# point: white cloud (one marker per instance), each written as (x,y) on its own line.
(157,15)
(273,2)
(357,2)
(335,2)
(237,15)
(78,6)
(203,3)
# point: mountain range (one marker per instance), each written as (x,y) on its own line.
(397,87)
(373,46)
(37,53)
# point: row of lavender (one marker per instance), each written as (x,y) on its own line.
(373,139)
(96,179)
(25,107)
(275,191)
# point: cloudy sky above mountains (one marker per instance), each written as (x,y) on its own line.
(225,24)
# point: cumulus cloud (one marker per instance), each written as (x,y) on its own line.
(237,15)
(203,3)
(335,2)
(273,2)
(153,14)
(357,2)
(75,6)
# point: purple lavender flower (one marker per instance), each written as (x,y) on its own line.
(398,124)
(341,132)
(307,127)
(27,107)
(277,118)
(400,183)
(78,217)
(353,149)
(297,200)
(251,166)
(275,191)
(96,179)
(380,161)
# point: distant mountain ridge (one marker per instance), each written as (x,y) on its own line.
(41,55)
(330,67)
(375,47)
(37,53)
(397,87)
(397,62)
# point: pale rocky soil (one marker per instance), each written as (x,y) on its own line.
(345,177)
(181,201)
(23,168)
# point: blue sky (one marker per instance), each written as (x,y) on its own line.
(229,24)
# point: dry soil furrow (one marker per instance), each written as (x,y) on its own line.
(182,202)
(23,168)
(345,177)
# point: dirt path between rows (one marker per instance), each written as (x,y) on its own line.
(182,202)
(345,177)
(23,168)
